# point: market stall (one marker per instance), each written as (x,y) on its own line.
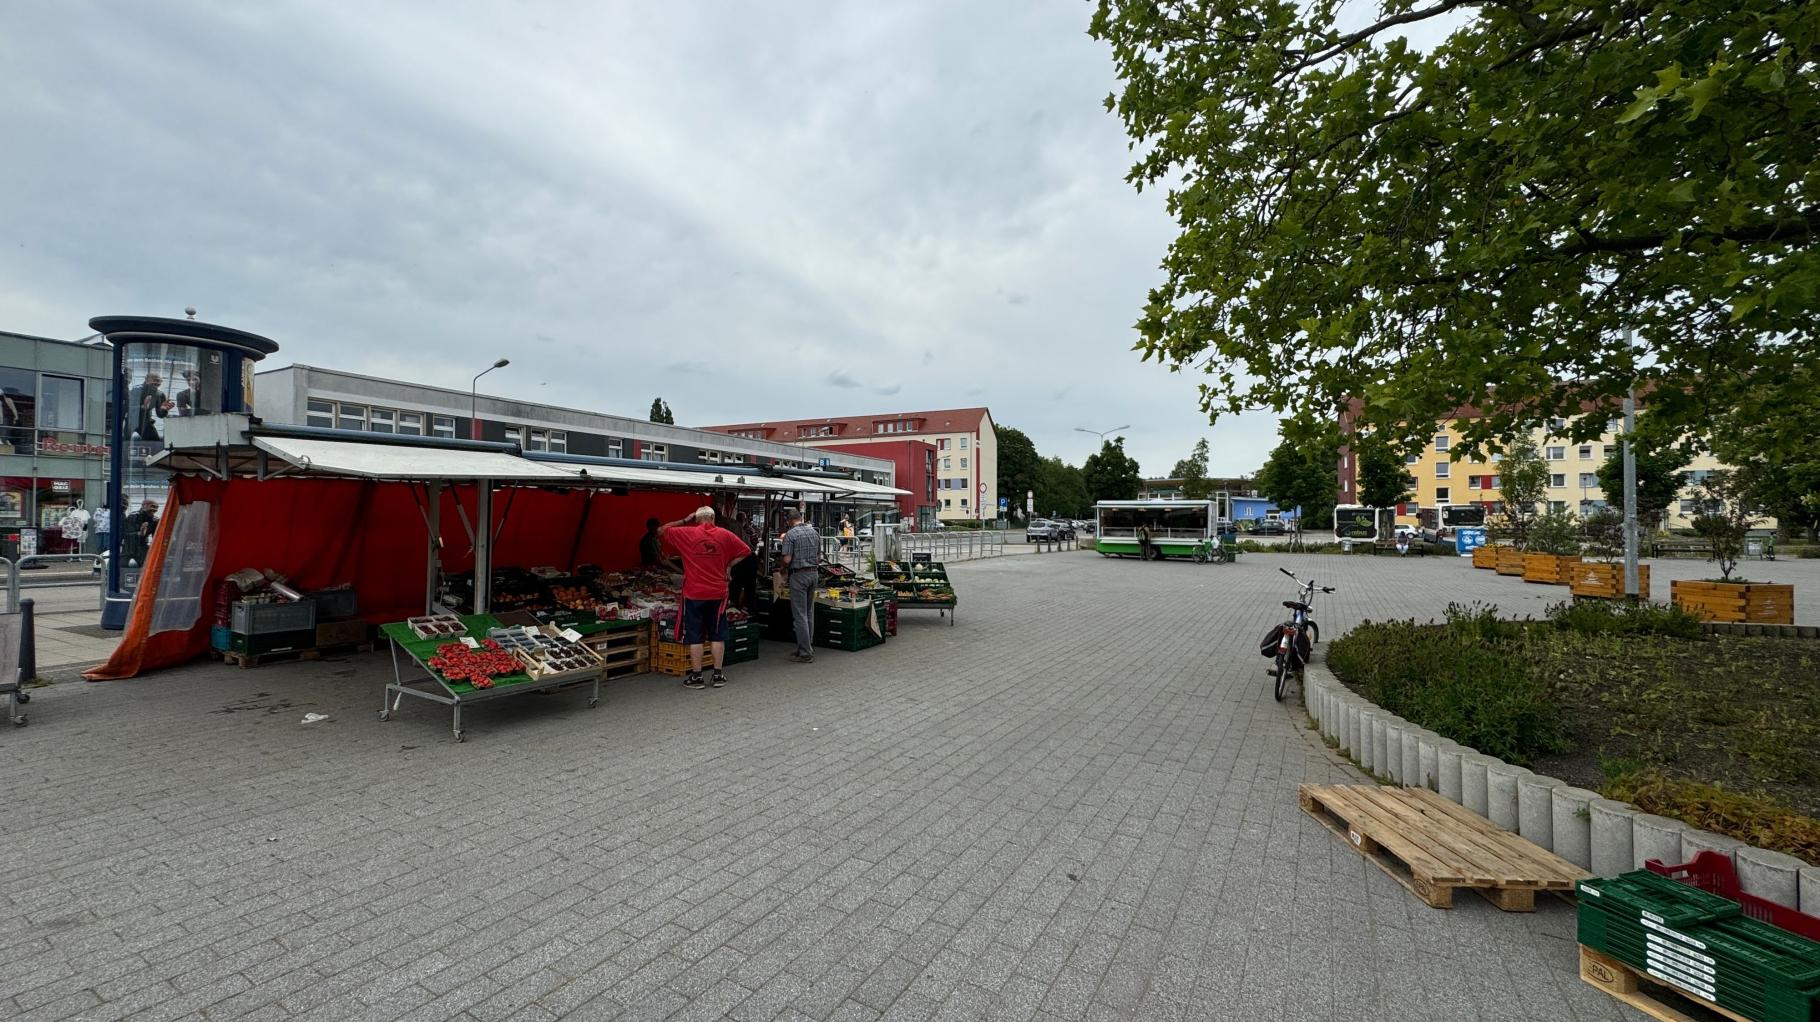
(919,583)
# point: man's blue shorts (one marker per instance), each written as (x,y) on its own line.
(704,621)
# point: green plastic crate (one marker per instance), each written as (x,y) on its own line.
(1670,902)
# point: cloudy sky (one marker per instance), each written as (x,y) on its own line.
(755,210)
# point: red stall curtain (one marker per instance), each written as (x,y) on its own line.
(323,532)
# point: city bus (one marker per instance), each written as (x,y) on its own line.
(1355,521)
(1437,523)
(1177,527)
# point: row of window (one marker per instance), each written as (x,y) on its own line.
(345,415)
(942,444)
(949,502)
(555,440)
(948,463)
(42,401)
(895,426)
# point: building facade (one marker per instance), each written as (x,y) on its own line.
(916,471)
(1437,480)
(312,396)
(965,442)
(54,409)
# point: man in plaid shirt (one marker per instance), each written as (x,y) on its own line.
(802,557)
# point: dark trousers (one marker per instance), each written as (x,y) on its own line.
(802,608)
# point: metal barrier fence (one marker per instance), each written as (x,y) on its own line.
(959,545)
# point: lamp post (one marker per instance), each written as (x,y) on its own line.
(1101,433)
(474,398)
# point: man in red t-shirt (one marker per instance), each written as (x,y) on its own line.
(709,553)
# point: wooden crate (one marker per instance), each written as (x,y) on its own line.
(1485,556)
(1510,561)
(1432,846)
(1750,603)
(1549,569)
(1604,580)
(1649,995)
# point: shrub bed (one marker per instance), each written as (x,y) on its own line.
(1633,701)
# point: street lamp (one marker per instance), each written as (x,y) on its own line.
(474,398)
(1101,433)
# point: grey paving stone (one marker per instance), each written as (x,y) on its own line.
(1079,802)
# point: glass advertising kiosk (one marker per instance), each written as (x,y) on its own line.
(163,369)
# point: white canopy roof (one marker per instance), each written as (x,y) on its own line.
(858,488)
(730,479)
(390,461)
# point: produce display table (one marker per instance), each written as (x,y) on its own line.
(457,694)
(920,585)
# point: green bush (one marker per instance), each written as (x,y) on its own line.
(1618,617)
(1468,679)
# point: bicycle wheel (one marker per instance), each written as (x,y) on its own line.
(1282,676)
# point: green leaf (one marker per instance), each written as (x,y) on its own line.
(1699,94)
(1742,305)
(1644,103)
(1683,191)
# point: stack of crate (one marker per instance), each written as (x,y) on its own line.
(1702,945)
(672,658)
(849,627)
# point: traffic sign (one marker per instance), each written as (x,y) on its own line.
(1004,503)
(982,486)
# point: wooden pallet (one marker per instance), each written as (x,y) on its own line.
(1432,846)
(246,660)
(1647,994)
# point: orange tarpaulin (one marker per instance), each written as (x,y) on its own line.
(323,532)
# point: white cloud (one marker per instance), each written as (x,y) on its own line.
(744,209)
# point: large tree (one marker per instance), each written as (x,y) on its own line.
(1300,474)
(1522,488)
(1192,471)
(1777,436)
(1384,479)
(1018,466)
(1061,490)
(1112,474)
(1660,459)
(1423,226)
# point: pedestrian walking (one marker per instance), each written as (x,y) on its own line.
(802,558)
(709,553)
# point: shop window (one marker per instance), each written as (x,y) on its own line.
(60,403)
(351,416)
(442,425)
(410,423)
(319,413)
(559,441)
(656,452)
(540,441)
(383,420)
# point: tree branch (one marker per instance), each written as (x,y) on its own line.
(1351,39)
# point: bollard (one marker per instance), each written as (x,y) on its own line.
(28,644)
(1501,793)
(1613,824)
(1572,824)
(1656,837)
(1536,809)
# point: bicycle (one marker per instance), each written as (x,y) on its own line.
(1213,551)
(1292,642)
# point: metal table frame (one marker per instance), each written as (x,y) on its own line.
(399,688)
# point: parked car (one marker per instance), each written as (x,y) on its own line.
(1406,530)
(1086,525)
(1042,529)
(1270,527)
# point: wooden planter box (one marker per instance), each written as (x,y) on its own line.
(1485,556)
(1549,569)
(1604,580)
(1510,561)
(1754,603)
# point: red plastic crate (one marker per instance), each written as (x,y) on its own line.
(1713,872)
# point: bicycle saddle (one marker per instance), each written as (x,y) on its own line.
(1293,605)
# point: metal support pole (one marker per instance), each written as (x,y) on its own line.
(28,644)
(433,556)
(1630,496)
(483,546)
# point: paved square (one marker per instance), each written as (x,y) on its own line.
(1079,803)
